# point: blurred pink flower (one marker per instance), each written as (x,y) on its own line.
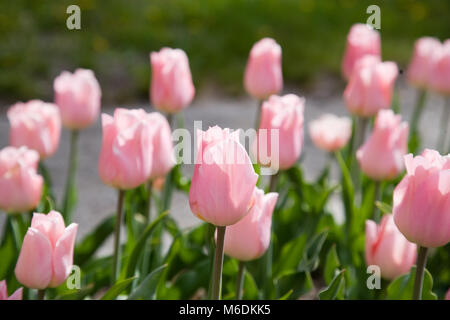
(17,295)
(440,73)
(420,67)
(330,133)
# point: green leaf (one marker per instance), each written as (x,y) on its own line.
(140,244)
(90,244)
(384,207)
(402,287)
(286,295)
(117,288)
(335,288)
(77,294)
(290,256)
(147,289)
(331,265)
(310,260)
(250,290)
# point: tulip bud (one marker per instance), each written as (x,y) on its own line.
(330,133)
(387,248)
(171,85)
(447,295)
(224,179)
(440,73)
(263,75)
(17,295)
(381,156)
(20,185)
(46,257)
(371,86)
(250,237)
(419,70)
(361,40)
(421,203)
(280,135)
(37,125)
(78,96)
(126,156)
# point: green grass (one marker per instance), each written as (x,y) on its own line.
(117,36)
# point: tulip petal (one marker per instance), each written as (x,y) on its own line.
(63,255)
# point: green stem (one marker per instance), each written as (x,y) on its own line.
(218,264)
(375,212)
(273,182)
(258,114)
(41,294)
(444,126)
(240,280)
(16,230)
(148,205)
(420,269)
(117,237)
(359,140)
(420,104)
(68,202)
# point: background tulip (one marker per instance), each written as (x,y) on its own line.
(126,156)
(78,96)
(447,295)
(381,156)
(171,85)
(20,185)
(250,237)
(330,133)
(361,40)
(224,179)
(419,70)
(17,295)
(37,125)
(263,74)
(284,114)
(371,86)
(421,204)
(440,73)
(46,257)
(387,248)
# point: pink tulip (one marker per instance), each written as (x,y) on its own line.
(37,125)
(419,70)
(387,248)
(282,116)
(171,89)
(330,133)
(17,295)
(361,40)
(250,237)
(222,186)
(46,257)
(78,96)
(371,86)
(447,295)
(422,199)
(163,158)
(20,185)
(440,73)
(381,156)
(263,75)
(126,156)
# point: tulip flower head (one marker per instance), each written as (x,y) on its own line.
(440,73)
(330,133)
(46,257)
(36,125)
(420,67)
(78,96)
(17,295)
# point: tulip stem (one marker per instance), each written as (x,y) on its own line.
(149,201)
(420,104)
(359,140)
(258,114)
(218,264)
(117,236)
(41,294)
(240,280)
(444,126)
(69,193)
(420,269)
(273,182)
(377,197)
(16,230)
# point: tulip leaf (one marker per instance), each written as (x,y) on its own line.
(384,207)
(331,265)
(402,287)
(310,260)
(117,289)
(250,289)
(336,287)
(147,289)
(290,256)
(79,294)
(286,295)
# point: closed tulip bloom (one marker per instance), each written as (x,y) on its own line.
(222,186)
(46,257)
(371,86)
(20,185)
(420,67)
(126,156)
(387,248)
(171,85)
(440,74)
(263,74)
(421,203)
(381,156)
(36,125)
(282,115)
(361,40)
(250,237)
(78,96)
(17,295)
(447,295)
(163,158)
(330,133)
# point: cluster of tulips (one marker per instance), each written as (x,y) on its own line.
(137,157)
